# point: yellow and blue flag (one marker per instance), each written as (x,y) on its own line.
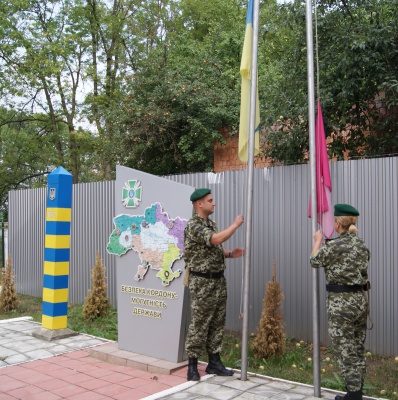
(245,72)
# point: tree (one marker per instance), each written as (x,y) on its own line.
(28,151)
(42,55)
(357,67)
(185,92)
(149,84)
(361,38)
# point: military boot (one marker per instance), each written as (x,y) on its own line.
(216,367)
(357,395)
(193,373)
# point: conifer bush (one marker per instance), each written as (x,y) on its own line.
(270,338)
(97,302)
(8,294)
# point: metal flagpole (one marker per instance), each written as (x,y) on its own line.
(311,125)
(250,169)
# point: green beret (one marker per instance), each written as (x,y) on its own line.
(199,193)
(345,209)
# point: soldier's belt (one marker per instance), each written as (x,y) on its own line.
(208,275)
(345,288)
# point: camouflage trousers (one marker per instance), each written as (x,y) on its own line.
(208,312)
(347,314)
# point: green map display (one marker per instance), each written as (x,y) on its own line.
(157,239)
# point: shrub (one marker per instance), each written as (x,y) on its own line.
(8,295)
(97,302)
(270,338)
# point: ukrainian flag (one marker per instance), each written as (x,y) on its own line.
(245,71)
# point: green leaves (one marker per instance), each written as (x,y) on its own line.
(151,84)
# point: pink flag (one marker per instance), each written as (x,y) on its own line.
(323,181)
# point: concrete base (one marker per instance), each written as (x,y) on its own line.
(49,334)
(110,353)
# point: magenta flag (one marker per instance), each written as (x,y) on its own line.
(323,181)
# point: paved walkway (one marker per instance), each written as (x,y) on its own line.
(83,367)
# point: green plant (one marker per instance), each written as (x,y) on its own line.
(337,383)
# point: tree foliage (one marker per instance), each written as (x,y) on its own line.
(88,84)
(357,59)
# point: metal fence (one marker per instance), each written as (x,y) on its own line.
(281,235)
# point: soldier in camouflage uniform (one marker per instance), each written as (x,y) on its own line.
(205,262)
(346,260)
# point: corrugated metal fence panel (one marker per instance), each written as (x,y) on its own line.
(26,230)
(372,185)
(93,210)
(93,207)
(281,234)
(280,226)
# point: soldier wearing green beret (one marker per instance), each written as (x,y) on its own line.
(345,260)
(205,264)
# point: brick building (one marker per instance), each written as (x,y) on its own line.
(226,155)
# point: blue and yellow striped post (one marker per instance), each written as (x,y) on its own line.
(57,250)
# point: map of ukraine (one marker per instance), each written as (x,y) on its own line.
(157,239)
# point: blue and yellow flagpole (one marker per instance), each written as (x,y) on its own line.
(57,251)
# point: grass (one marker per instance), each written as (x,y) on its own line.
(296,364)
(105,327)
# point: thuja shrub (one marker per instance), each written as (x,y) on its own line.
(270,338)
(8,295)
(97,302)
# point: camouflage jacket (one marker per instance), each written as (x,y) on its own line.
(199,254)
(345,260)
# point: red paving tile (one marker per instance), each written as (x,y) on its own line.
(114,377)
(11,384)
(43,396)
(68,391)
(135,373)
(44,368)
(51,384)
(132,394)
(15,369)
(60,373)
(35,377)
(135,383)
(125,370)
(25,392)
(112,389)
(154,387)
(94,372)
(77,376)
(72,364)
(88,396)
(93,384)
(171,380)
(4,396)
